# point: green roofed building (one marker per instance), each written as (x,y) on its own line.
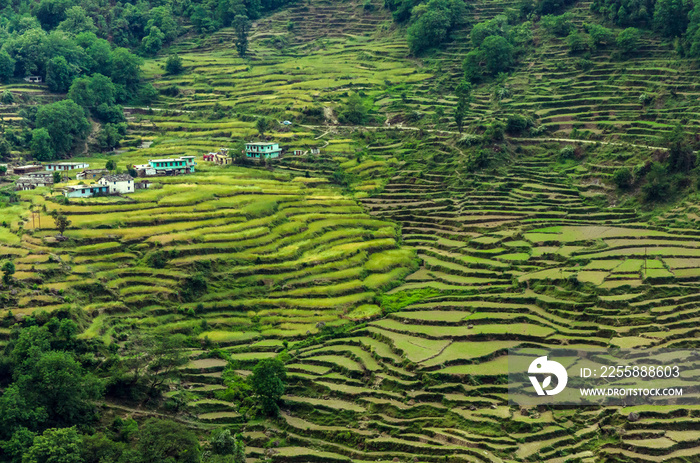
(262,150)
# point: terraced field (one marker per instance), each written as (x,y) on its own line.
(389,360)
(279,256)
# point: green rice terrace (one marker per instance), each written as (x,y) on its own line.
(391,271)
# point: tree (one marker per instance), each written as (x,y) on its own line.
(485,29)
(126,69)
(600,35)
(433,22)
(354,110)
(66,124)
(268,383)
(7,97)
(150,362)
(109,136)
(429,30)
(153,42)
(463,92)
(628,40)
(77,21)
(51,12)
(577,42)
(8,269)
(167,441)
(5,149)
(93,91)
(623,178)
(59,75)
(671,17)
(222,442)
(681,157)
(657,186)
(261,124)
(56,382)
(40,145)
(692,35)
(61,221)
(56,177)
(241,26)
(111,165)
(55,446)
(173,65)
(517,124)
(7,66)
(497,53)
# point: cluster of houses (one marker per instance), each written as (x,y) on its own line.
(41,175)
(36,176)
(256,151)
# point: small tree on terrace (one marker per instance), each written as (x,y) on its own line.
(261,124)
(61,221)
(267,380)
(173,65)
(241,26)
(8,269)
(628,40)
(463,94)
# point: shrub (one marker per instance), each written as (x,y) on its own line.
(600,36)
(658,185)
(173,65)
(577,42)
(628,40)
(560,25)
(495,132)
(567,152)
(623,178)
(517,124)
(7,97)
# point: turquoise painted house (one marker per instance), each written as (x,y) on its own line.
(181,165)
(262,150)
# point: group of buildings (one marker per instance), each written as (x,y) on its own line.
(255,151)
(41,175)
(36,176)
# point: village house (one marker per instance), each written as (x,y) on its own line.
(21,170)
(33,79)
(221,157)
(259,150)
(142,185)
(30,183)
(118,184)
(315,151)
(173,166)
(89,174)
(298,152)
(85,191)
(59,166)
(42,174)
(144,170)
